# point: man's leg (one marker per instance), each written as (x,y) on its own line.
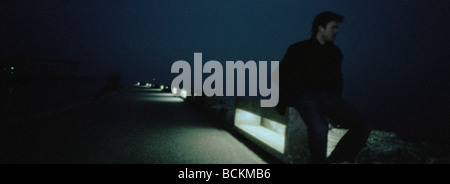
(349,117)
(309,108)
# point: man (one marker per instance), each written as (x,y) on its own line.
(311,81)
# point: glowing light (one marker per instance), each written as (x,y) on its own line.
(244,117)
(159,95)
(153,90)
(268,137)
(159,99)
(138,83)
(161,87)
(183,93)
(174,91)
(12,67)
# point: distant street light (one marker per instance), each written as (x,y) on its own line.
(183,94)
(174,91)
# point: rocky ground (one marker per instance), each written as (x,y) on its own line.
(386,147)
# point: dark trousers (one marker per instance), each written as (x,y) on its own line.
(313,107)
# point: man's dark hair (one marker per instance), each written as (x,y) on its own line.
(324,18)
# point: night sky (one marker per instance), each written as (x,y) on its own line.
(395,52)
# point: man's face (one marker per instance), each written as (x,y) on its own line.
(329,32)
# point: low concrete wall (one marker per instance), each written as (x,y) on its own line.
(285,137)
(382,146)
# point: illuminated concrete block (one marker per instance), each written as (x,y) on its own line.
(297,148)
(285,137)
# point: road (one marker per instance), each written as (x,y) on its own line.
(135,126)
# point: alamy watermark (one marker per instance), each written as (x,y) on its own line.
(206,87)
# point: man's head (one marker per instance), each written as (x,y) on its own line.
(325,26)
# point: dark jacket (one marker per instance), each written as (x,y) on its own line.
(309,66)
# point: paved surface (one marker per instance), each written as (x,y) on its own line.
(135,126)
